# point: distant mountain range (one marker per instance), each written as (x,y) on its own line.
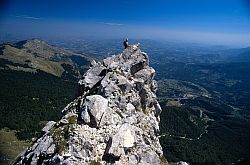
(34,54)
(160,51)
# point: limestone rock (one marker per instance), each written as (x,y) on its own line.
(124,138)
(48,126)
(95,107)
(114,119)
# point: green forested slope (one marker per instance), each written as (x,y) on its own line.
(28,100)
(225,142)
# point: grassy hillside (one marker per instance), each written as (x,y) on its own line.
(39,55)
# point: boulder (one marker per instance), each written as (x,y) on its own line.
(149,158)
(146,75)
(124,138)
(95,105)
(92,77)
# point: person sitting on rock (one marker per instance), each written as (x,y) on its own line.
(125,43)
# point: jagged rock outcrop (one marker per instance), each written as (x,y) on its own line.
(115,119)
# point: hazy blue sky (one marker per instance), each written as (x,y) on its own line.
(210,21)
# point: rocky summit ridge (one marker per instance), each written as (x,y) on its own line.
(115,118)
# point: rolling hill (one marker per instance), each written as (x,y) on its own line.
(32,55)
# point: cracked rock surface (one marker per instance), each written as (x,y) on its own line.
(115,118)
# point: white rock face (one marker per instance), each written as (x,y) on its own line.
(96,106)
(115,118)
